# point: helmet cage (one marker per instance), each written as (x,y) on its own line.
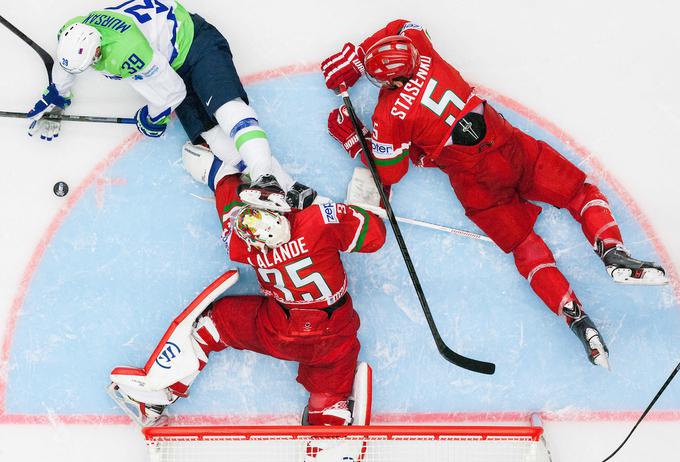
(391,58)
(261,228)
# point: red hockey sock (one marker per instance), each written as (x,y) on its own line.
(591,209)
(536,263)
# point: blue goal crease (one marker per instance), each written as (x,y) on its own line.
(113,278)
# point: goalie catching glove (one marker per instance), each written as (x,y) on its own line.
(343,67)
(340,127)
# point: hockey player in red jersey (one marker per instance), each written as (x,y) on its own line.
(428,113)
(306,314)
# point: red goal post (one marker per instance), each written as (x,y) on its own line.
(347,444)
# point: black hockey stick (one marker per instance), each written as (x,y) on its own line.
(450,355)
(658,395)
(44,55)
(49,64)
(73,118)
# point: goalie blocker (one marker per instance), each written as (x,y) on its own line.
(144,393)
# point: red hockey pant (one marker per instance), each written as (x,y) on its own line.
(327,360)
(495,181)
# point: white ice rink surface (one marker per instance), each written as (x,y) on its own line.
(605,72)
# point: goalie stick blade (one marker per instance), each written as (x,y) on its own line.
(466,363)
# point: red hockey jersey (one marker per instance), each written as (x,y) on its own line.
(306,272)
(416,120)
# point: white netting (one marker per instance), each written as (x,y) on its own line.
(350,448)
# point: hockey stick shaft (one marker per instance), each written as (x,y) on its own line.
(44,55)
(450,355)
(658,395)
(424,224)
(73,118)
(49,63)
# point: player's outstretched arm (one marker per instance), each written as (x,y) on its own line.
(353,228)
(158,83)
(391,158)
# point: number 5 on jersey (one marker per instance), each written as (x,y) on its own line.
(438,107)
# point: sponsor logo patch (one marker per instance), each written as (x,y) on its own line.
(169,353)
(382,150)
(149,73)
(410,25)
(328,213)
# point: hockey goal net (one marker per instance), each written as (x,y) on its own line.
(347,444)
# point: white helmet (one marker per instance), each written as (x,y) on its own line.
(77,47)
(260,228)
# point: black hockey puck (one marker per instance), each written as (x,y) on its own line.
(60,189)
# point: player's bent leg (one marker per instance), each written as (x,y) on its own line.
(223,146)
(536,263)
(143,393)
(591,209)
(239,121)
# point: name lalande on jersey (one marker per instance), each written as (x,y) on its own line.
(287,251)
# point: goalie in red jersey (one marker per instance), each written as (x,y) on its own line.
(428,113)
(306,314)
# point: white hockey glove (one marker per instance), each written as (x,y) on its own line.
(47,129)
(50,103)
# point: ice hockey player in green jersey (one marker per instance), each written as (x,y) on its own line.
(177,62)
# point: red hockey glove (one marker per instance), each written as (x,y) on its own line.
(344,67)
(340,127)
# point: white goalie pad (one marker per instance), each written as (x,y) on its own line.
(175,358)
(362,393)
(334,449)
(361,190)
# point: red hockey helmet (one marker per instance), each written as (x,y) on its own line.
(390,58)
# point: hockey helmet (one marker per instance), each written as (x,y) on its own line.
(260,228)
(78,48)
(390,58)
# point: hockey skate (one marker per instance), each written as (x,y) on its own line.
(587,333)
(266,193)
(145,415)
(627,270)
(300,196)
